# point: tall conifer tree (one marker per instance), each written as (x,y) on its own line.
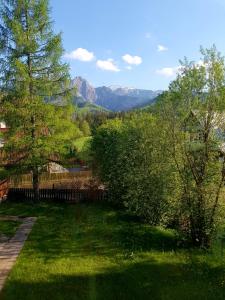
(31,71)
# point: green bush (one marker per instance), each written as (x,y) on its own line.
(132,160)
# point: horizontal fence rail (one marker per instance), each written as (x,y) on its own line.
(48,179)
(60,195)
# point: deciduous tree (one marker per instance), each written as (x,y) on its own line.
(193,111)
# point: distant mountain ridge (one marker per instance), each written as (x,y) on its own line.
(113,98)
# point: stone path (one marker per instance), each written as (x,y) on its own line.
(10,250)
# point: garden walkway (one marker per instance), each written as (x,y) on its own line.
(10,250)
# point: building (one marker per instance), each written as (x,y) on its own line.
(3,129)
(196,126)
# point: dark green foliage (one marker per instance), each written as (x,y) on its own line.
(96,119)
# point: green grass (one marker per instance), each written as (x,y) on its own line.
(96,253)
(90,108)
(9,228)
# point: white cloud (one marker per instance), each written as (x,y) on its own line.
(80,54)
(169,72)
(161,48)
(132,60)
(173,71)
(107,65)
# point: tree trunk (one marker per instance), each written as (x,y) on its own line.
(36,184)
(199,235)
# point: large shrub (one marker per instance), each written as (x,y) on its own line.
(106,149)
(132,159)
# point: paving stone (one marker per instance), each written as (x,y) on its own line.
(10,250)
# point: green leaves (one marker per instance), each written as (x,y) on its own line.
(195,126)
(31,71)
(133,162)
(170,168)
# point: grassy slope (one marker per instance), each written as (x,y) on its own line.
(89,107)
(92,252)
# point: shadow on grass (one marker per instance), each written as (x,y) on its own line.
(146,280)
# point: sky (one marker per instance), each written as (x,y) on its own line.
(136,43)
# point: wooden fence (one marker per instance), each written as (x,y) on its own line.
(47,180)
(59,195)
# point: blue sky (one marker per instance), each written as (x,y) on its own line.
(136,43)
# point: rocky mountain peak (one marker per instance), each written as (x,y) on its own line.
(115,98)
(84,89)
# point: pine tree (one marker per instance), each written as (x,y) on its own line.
(31,71)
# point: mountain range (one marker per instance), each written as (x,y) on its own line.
(114,98)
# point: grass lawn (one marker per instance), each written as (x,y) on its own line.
(93,252)
(8,228)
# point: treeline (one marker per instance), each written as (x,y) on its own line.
(89,122)
(167,166)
